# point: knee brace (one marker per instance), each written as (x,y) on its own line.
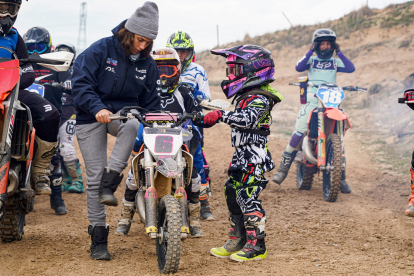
(231,198)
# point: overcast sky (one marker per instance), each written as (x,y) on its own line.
(199,18)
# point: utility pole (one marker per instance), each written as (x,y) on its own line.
(82,28)
(218,36)
(287,19)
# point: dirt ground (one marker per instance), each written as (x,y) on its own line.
(363,233)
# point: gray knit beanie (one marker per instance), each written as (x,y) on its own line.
(144,21)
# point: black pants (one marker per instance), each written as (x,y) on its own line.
(45,115)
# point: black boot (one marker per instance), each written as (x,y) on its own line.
(56,200)
(285,163)
(255,248)
(99,245)
(343,186)
(237,239)
(109,183)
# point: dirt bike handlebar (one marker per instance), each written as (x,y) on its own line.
(403,101)
(347,88)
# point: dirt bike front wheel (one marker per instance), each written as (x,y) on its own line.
(168,244)
(331,178)
(13,222)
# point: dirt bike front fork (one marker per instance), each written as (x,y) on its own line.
(181,195)
(151,198)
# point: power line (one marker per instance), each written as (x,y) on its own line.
(287,19)
(82,27)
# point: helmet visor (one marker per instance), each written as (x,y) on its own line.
(38,48)
(234,70)
(167,71)
(9,9)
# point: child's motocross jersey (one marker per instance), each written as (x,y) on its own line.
(196,76)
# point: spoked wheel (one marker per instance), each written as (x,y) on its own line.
(169,230)
(11,227)
(304,176)
(332,176)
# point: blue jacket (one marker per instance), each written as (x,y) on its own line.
(104,77)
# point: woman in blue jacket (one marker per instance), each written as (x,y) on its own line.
(112,73)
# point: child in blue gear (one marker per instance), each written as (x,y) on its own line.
(174,98)
(322,68)
(195,78)
(250,70)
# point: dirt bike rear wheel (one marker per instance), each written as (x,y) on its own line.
(331,178)
(169,227)
(11,227)
(304,176)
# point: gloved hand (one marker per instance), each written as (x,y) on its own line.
(212,117)
(67,85)
(337,47)
(199,95)
(312,47)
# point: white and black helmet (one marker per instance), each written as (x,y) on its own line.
(324,35)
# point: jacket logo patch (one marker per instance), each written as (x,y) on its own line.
(141,78)
(143,71)
(112,62)
(110,69)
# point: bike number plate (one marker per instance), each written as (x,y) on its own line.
(330,96)
(37,88)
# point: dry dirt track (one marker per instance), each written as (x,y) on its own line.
(364,233)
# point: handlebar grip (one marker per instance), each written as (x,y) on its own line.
(401,100)
(294,83)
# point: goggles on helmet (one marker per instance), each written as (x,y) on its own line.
(38,48)
(234,70)
(9,9)
(167,71)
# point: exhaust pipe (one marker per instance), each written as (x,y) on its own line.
(307,150)
(13,180)
(140,203)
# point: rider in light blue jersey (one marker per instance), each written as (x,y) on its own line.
(322,68)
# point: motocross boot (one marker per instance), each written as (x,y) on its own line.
(66,180)
(410,208)
(127,214)
(40,166)
(255,248)
(285,163)
(205,211)
(99,245)
(237,239)
(109,183)
(56,200)
(75,174)
(343,186)
(194,219)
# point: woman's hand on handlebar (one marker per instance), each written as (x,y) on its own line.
(103,116)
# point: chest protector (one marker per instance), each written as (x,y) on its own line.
(321,71)
(272,101)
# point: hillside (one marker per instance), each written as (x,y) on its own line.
(379,43)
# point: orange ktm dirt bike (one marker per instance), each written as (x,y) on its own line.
(17,138)
(162,169)
(323,144)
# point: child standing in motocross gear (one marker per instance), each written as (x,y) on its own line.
(174,98)
(72,180)
(38,41)
(250,70)
(194,75)
(322,68)
(45,116)
(113,73)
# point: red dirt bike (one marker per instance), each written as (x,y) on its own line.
(321,154)
(17,139)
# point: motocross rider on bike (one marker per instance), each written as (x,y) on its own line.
(322,68)
(174,98)
(194,75)
(250,69)
(72,180)
(45,116)
(39,41)
(114,72)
